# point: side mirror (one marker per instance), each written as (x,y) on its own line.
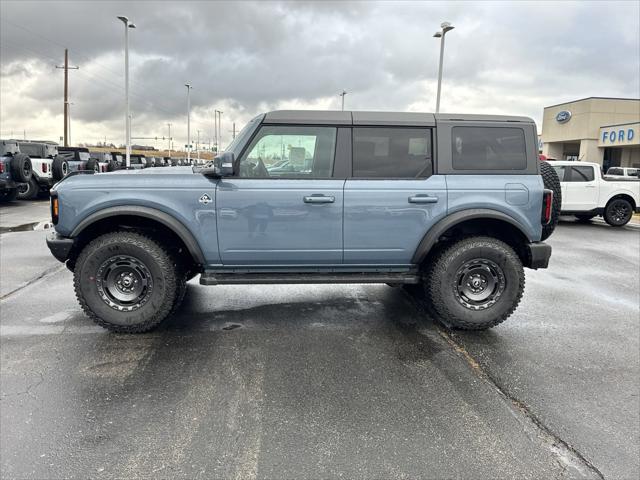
(220,166)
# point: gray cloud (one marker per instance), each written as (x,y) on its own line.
(242,57)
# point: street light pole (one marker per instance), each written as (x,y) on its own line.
(198,146)
(446,26)
(342,95)
(215,130)
(169,125)
(127,26)
(189,88)
(220,128)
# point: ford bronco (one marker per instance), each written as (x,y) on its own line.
(450,206)
(15,170)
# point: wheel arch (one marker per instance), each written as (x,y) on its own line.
(474,222)
(138,217)
(624,196)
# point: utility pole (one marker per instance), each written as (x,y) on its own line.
(169,139)
(233,132)
(69,118)
(66,68)
(342,95)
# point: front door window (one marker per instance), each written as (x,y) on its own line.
(290,152)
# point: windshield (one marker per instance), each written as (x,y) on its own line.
(244,135)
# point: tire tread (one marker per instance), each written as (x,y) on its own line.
(159,254)
(438,267)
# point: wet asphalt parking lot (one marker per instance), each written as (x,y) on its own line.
(309,381)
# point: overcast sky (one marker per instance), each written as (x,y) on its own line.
(245,58)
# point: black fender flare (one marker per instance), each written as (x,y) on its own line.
(147,212)
(431,237)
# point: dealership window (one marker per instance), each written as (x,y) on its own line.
(290,152)
(488,148)
(392,153)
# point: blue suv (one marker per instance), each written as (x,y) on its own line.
(450,206)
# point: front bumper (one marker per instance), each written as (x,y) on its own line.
(539,254)
(60,246)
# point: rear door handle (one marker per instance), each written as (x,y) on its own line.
(319,199)
(422,199)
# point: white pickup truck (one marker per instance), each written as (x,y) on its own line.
(586,193)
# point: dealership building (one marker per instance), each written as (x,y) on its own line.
(594,129)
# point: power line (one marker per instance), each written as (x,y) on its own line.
(85,73)
(77,54)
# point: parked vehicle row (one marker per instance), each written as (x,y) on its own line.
(30,167)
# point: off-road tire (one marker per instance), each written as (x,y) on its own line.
(112,166)
(551,182)
(92,164)
(160,264)
(59,168)
(612,214)
(441,283)
(585,217)
(29,190)
(21,168)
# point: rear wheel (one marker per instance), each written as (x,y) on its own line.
(618,212)
(475,283)
(126,282)
(29,190)
(92,164)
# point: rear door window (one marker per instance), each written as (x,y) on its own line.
(488,148)
(392,153)
(581,174)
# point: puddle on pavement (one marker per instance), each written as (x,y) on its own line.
(27,227)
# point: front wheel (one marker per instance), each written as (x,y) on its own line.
(126,282)
(618,212)
(475,283)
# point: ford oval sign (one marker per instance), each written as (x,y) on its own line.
(563,117)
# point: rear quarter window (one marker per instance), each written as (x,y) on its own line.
(488,148)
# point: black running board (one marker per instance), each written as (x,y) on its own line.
(222,278)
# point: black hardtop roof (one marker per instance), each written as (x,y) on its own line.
(73,149)
(333,117)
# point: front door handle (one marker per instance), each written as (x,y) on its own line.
(422,199)
(319,199)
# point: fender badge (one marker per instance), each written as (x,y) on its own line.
(204,199)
